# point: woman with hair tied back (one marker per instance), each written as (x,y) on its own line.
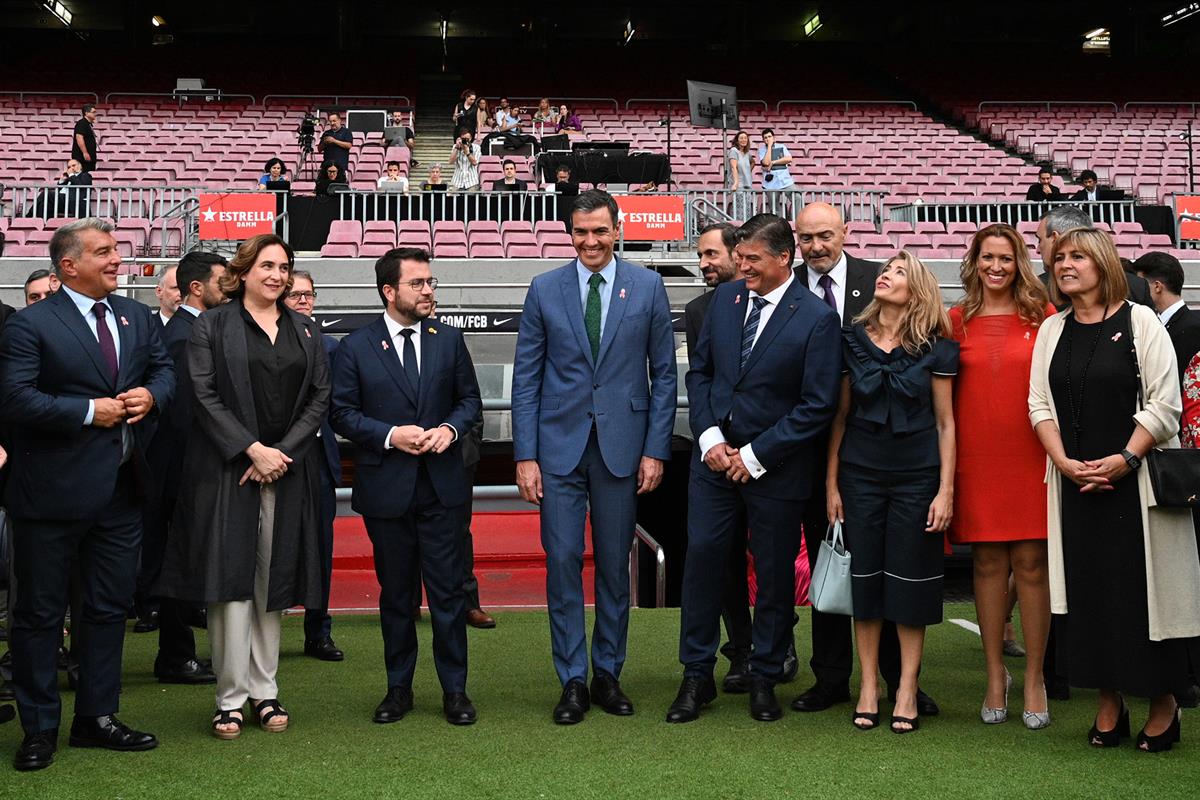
(1103,391)
(890,476)
(1000,465)
(244,540)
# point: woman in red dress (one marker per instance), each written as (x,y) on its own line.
(999,488)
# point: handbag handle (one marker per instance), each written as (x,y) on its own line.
(834,537)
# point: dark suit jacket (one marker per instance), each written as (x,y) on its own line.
(371,394)
(500,186)
(1036,194)
(165,453)
(784,399)
(329,445)
(210,553)
(693,318)
(1184,329)
(1101,194)
(50,367)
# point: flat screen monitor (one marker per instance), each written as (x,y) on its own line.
(705,104)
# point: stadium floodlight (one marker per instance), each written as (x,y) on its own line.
(1180,14)
(1094,32)
(157,21)
(630,30)
(60,11)
(813,25)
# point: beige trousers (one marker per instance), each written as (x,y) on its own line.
(242,635)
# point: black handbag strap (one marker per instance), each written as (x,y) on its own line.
(1137,366)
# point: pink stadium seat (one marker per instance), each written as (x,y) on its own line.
(524,251)
(25,251)
(380,226)
(451,249)
(372,249)
(1127,227)
(930,227)
(340,250)
(558,251)
(909,241)
(967,228)
(488,250)
(351,229)
(414,239)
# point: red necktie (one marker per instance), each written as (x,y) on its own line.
(108,348)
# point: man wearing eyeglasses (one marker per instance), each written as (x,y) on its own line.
(404,390)
(318,626)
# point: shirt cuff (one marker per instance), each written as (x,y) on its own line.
(91,413)
(387,442)
(453,430)
(755,469)
(709,439)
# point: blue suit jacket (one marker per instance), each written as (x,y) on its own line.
(557,391)
(783,401)
(333,457)
(371,394)
(50,366)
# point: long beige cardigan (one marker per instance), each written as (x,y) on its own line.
(1172,564)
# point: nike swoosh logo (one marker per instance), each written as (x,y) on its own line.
(502,321)
(325,323)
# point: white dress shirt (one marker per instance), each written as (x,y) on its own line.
(394,332)
(1166,315)
(164,318)
(195,312)
(713,435)
(838,276)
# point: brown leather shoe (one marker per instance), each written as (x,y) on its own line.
(478,618)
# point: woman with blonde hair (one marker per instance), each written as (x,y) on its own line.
(1000,463)
(1103,391)
(890,477)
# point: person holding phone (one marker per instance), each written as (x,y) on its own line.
(774,159)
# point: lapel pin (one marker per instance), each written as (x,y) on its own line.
(384,343)
(1116,336)
(308,333)
(622,294)
(432,330)
(737,298)
(855,293)
(1026,334)
(124,322)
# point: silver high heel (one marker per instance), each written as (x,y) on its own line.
(994,716)
(1036,720)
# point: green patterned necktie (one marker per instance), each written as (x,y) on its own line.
(591,313)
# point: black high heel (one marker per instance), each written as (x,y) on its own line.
(1162,742)
(1111,738)
(871,720)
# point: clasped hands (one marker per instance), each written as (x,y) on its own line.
(415,440)
(128,407)
(267,464)
(1095,476)
(723,457)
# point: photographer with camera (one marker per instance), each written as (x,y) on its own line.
(465,160)
(776,178)
(336,143)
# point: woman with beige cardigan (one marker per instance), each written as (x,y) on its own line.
(1124,569)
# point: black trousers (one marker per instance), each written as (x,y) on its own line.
(106,548)
(176,642)
(735,607)
(470,584)
(429,535)
(317,622)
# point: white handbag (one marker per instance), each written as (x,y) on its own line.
(830,591)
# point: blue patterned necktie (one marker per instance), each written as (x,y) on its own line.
(751,328)
(411,371)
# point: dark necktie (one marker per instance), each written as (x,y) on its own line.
(591,313)
(751,327)
(108,349)
(826,284)
(410,359)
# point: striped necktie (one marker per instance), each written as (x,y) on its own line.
(751,328)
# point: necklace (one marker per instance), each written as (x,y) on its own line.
(1076,408)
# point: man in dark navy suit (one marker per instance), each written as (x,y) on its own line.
(198,273)
(318,625)
(762,389)
(82,375)
(404,391)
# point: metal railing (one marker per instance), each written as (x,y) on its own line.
(437,206)
(683,101)
(1008,212)
(219,95)
(1047,103)
(391,99)
(856,204)
(21,94)
(845,103)
(571,102)
(1192,106)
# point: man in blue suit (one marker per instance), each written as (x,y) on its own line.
(589,429)
(318,625)
(762,389)
(82,375)
(404,390)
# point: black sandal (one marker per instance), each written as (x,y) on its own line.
(221,717)
(871,717)
(915,722)
(275,711)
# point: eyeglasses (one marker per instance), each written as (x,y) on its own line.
(417,284)
(302,295)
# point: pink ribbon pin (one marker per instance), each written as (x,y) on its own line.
(124,322)
(622,294)
(384,343)
(737,298)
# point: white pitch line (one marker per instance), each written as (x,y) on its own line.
(966,624)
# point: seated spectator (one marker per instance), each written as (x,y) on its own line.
(275,178)
(510,182)
(545,114)
(1091,190)
(465,160)
(568,120)
(506,121)
(331,181)
(435,182)
(1044,189)
(393,181)
(562,181)
(648,186)
(71,200)
(40,284)
(403,136)
(485,123)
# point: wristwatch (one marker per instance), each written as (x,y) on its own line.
(1133,461)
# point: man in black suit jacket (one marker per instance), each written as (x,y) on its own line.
(1044,189)
(198,273)
(846,284)
(762,388)
(1063,218)
(404,390)
(82,375)
(1164,274)
(510,182)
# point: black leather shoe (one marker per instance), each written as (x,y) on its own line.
(791,664)
(323,649)
(190,672)
(573,703)
(926,705)
(395,704)
(109,733)
(197,617)
(7,714)
(763,705)
(694,694)
(819,698)
(606,693)
(458,708)
(147,622)
(37,750)
(737,680)
(1189,698)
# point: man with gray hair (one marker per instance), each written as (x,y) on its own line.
(1063,218)
(167,292)
(82,376)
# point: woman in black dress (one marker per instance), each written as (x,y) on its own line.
(1084,390)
